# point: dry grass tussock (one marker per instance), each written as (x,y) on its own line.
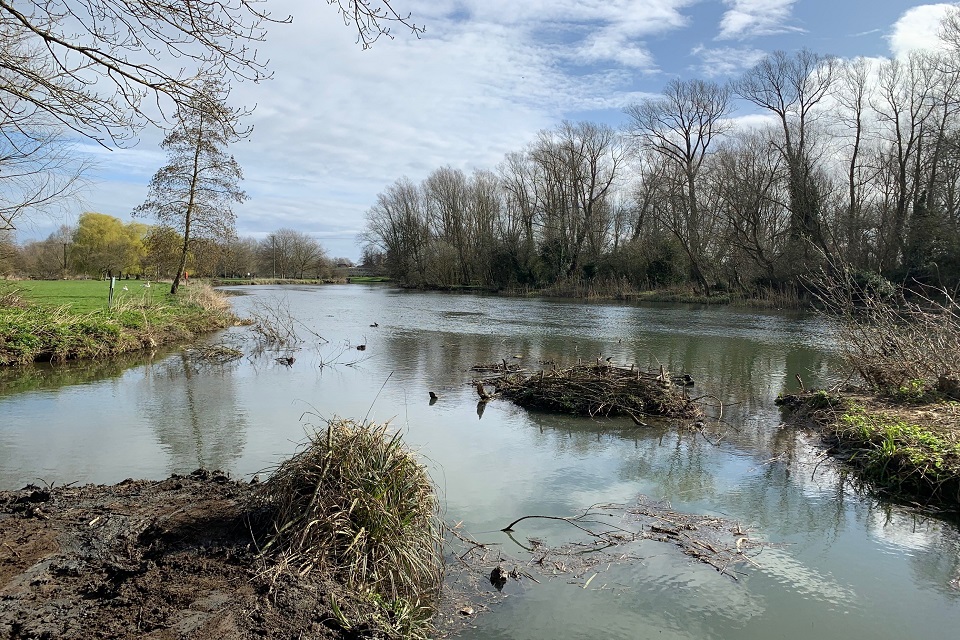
(10,297)
(903,342)
(206,297)
(355,504)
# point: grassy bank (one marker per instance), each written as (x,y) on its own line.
(64,320)
(908,446)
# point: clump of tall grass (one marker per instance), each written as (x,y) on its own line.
(355,503)
(207,298)
(10,297)
(898,339)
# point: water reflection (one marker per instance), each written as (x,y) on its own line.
(194,412)
(843,555)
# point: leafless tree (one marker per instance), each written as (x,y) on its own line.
(398,225)
(681,125)
(904,106)
(792,87)
(194,191)
(853,94)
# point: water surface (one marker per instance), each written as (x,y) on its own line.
(849,566)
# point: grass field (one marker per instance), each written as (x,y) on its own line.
(82,296)
(63,320)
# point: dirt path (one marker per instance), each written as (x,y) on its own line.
(172,559)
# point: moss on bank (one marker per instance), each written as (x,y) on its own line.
(909,447)
(32,332)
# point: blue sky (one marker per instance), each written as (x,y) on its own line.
(338,124)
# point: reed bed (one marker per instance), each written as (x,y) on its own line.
(599,390)
(355,504)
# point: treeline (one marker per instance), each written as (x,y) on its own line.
(857,163)
(102,245)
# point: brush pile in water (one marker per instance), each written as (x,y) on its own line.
(599,390)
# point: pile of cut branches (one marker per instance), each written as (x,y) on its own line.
(598,390)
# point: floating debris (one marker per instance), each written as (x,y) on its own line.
(599,389)
(214,353)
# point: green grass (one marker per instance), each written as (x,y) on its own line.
(67,320)
(81,296)
(366,279)
(907,448)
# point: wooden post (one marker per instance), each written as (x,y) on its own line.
(113,282)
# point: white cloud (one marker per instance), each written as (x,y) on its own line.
(750,18)
(725,61)
(917,28)
(337,124)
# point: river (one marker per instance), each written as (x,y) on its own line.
(844,564)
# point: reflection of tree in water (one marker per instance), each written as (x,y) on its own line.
(195,414)
(938,541)
(46,376)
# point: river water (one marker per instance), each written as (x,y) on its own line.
(845,565)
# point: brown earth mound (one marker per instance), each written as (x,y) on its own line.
(170,559)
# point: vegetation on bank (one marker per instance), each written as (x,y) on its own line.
(901,427)
(61,320)
(234,282)
(908,450)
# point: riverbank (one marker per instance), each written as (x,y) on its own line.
(58,321)
(235,282)
(148,559)
(342,540)
(906,445)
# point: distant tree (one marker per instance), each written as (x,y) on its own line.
(104,245)
(792,87)
(305,253)
(8,252)
(194,191)
(680,125)
(162,251)
(372,259)
(240,257)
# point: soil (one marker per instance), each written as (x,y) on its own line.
(165,560)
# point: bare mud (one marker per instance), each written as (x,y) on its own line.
(170,559)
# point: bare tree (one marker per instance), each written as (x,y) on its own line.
(904,106)
(39,169)
(193,192)
(372,19)
(305,253)
(853,95)
(791,87)
(681,125)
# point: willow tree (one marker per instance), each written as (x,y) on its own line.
(194,191)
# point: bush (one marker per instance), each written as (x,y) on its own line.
(904,343)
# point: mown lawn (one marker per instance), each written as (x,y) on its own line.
(82,296)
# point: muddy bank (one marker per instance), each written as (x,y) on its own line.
(907,448)
(170,559)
